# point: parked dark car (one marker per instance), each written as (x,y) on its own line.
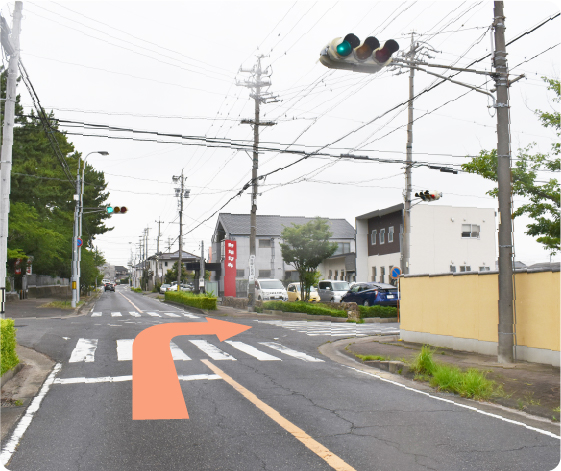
(109,287)
(372,294)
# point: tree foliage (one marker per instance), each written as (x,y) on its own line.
(42,197)
(306,246)
(543,196)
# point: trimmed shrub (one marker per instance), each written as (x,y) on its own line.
(201,301)
(377,311)
(137,290)
(8,345)
(300,306)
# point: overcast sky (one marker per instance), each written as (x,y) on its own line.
(171,67)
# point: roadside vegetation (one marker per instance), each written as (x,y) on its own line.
(200,301)
(304,307)
(377,311)
(8,356)
(62,304)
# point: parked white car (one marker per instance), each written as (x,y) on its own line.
(332,290)
(164,288)
(270,289)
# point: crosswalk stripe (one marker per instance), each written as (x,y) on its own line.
(213,352)
(124,351)
(289,351)
(116,314)
(96,314)
(254,352)
(134,314)
(115,379)
(153,314)
(192,316)
(171,314)
(84,351)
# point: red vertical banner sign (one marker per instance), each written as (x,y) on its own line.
(230,268)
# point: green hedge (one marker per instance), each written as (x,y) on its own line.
(307,308)
(377,311)
(201,301)
(137,290)
(8,345)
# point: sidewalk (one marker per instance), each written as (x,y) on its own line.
(26,308)
(528,387)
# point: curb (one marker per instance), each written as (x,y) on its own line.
(8,375)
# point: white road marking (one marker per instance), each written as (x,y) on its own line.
(153,314)
(289,351)
(66,338)
(84,351)
(25,421)
(213,352)
(192,316)
(116,314)
(115,379)
(124,351)
(171,314)
(134,314)
(139,310)
(254,352)
(96,314)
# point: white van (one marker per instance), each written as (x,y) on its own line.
(332,290)
(270,290)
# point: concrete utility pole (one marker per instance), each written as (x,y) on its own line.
(11,47)
(181,193)
(506,292)
(260,97)
(202,268)
(158,248)
(74,279)
(146,265)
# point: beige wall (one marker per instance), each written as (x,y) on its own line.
(460,311)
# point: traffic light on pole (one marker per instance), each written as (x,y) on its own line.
(429,195)
(350,54)
(116,209)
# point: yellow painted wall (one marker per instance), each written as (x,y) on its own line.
(467,307)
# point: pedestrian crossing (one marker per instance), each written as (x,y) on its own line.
(145,314)
(85,351)
(334,329)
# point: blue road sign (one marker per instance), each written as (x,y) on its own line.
(80,242)
(396,272)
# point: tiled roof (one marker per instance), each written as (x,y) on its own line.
(272,226)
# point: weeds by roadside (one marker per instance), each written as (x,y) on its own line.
(370,357)
(62,304)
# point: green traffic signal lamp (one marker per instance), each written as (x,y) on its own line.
(345,47)
(109,209)
(117,209)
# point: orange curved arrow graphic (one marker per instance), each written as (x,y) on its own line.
(156,392)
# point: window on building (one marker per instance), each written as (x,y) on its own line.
(382,236)
(373,273)
(342,247)
(342,275)
(373,237)
(336,274)
(264,274)
(464,268)
(166,264)
(452,268)
(470,231)
(382,273)
(264,243)
(484,268)
(330,275)
(240,273)
(390,234)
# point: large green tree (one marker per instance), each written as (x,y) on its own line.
(305,246)
(530,179)
(42,196)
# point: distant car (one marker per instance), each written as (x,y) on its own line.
(372,294)
(294,291)
(270,289)
(187,287)
(164,288)
(109,286)
(332,290)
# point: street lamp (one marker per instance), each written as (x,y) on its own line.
(77,251)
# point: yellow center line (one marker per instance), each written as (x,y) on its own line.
(332,460)
(131,302)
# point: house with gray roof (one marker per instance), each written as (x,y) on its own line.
(268,261)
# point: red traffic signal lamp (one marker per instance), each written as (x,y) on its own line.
(429,195)
(351,54)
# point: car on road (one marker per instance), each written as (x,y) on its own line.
(270,289)
(187,287)
(332,290)
(109,286)
(294,291)
(164,288)
(372,294)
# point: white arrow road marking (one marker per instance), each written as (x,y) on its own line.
(116,379)
(153,314)
(213,352)
(84,351)
(124,351)
(262,356)
(289,351)
(116,314)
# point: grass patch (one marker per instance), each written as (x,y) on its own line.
(370,357)
(377,311)
(62,304)
(137,290)
(423,362)
(359,321)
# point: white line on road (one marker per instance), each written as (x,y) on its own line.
(254,352)
(96,314)
(134,314)
(153,314)
(192,316)
(25,421)
(116,314)
(116,379)
(171,314)
(124,351)
(84,351)
(289,351)
(213,352)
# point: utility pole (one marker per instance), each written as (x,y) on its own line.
(202,268)
(181,193)
(260,97)
(11,47)
(158,248)
(74,279)
(506,292)
(146,265)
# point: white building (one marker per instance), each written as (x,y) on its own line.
(443,239)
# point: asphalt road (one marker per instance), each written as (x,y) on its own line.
(296,411)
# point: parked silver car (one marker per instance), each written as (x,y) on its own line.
(332,290)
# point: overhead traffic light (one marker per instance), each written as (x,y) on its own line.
(352,54)
(116,209)
(429,195)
